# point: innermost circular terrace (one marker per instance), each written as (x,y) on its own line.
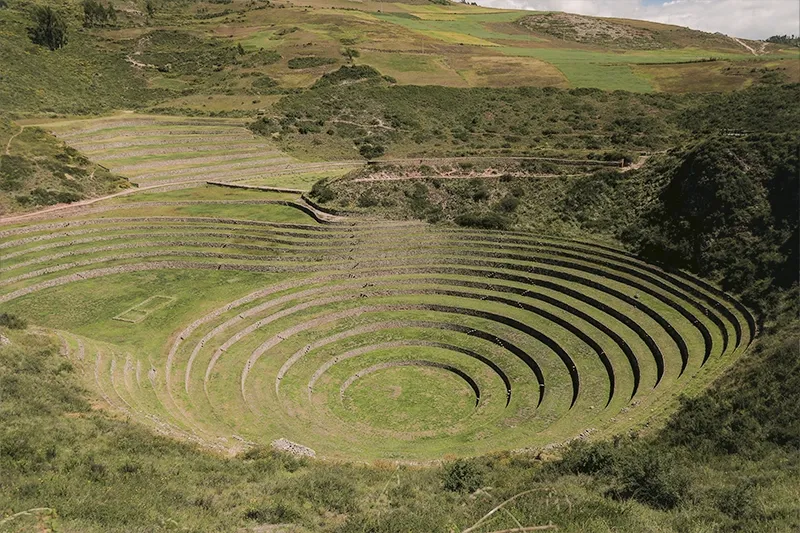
(410,396)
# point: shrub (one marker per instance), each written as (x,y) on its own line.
(350,53)
(508,203)
(347,74)
(371,151)
(14,170)
(368,199)
(482,220)
(322,191)
(40,196)
(589,459)
(462,476)
(650,478)
(264,82)
(95,14)
(418,199)
(12,321)
(479,190)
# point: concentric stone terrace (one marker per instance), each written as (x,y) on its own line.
(361,339)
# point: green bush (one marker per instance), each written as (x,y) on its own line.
(508,203)
(479,191)
(95,14)
(368,199)
(264,82)
(12,321)
(14,172)
(41,196)
(463,476)
(371,151)
(347,74)
(650,477)
(589,459)
(50,29)
(482,220)
(322,192)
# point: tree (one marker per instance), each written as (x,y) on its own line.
(350,53)
(50,29)
(151,8)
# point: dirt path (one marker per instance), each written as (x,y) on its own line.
(82,203)
(637,165)
(750,48)
(8,145)
(433,161)
(456,177)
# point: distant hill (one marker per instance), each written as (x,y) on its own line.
(239,57)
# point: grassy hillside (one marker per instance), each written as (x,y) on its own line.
(496,270)
(338,120)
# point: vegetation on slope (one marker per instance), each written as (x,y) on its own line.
(729,212)
(334,121)
(177,56)
(724,206)
(37,170)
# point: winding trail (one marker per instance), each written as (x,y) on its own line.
(8,144)
(750,48)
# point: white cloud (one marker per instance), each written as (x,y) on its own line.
(751,19)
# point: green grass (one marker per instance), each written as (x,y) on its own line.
(300,181)
(409,399)
(466,25)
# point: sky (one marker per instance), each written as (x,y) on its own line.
(750,19)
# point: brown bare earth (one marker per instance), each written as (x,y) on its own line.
(588,30)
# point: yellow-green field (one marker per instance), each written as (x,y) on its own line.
(168,152)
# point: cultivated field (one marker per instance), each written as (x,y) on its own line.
(232,317)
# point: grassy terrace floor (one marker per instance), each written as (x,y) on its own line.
(248,321)
(170,152)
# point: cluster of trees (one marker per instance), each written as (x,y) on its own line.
(791,40)
(729,213)
(95,14)
(49,28)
